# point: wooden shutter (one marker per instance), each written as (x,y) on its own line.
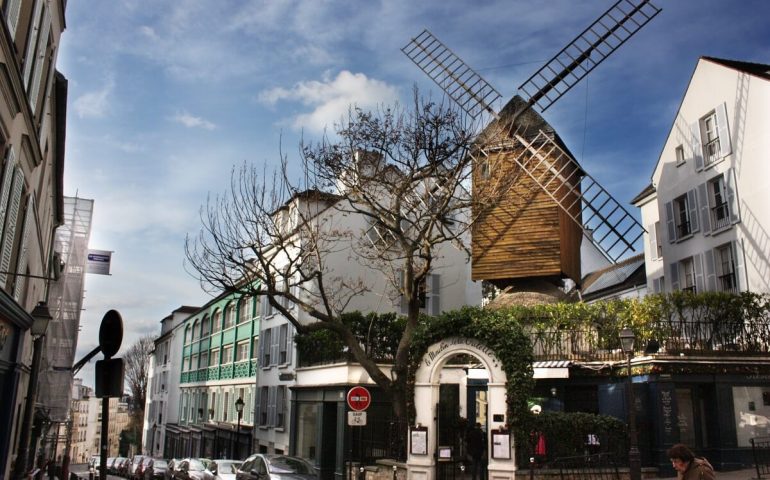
(29,57)
(740,266)
(670,222)
(12,16)
(261,349)
(711,271)
(5,189)
(705,209)
(283,345)
(696,146)
(289,343)
(34,90)
(258,406)
(732,196)
(21,264)
(725,148)
(674,269)
(692,206)
(280,410)
(697,263)
(274,345)
(271,405)
(434,287)
(10,224)
(653,241)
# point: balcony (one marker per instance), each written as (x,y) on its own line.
(720,216)
(728,283)
(711,152)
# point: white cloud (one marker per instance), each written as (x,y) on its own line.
(331,98)
(191,121)
(94,104)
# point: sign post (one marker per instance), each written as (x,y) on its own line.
(359,400)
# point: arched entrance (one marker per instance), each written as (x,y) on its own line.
(427,392)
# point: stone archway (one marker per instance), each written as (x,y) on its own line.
(426,396)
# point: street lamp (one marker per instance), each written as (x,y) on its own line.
(41,316)
(239,409)
(634,460)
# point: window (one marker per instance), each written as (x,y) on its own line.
(720,215)
(214,358)
(284,344)
(195,331)
(656,245)
(265,347)
(280,403)
(428,295)
(225,406)
(484,168)
(205,327)
(204,360)
(194,362)
(688,275)
(216,321)
(681,216)
(227,355)
(711,138)
(679,155)
(725,269)
(262,404)
(244,309)
(242,351)
(719,205)
(254,347)
(658,285)
(229,315)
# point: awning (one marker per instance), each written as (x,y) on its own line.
(551,369)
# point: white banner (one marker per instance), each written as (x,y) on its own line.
(98,262)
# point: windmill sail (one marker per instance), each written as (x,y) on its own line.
(603,220)
(586,51)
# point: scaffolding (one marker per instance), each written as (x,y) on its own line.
(65,300)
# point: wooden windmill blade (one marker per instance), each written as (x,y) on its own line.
(463,85)
(587,51)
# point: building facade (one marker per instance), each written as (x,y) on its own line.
(32,134)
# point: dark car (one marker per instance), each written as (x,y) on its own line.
(196,469)
(171,469)
(124,466)
(276,467)
(156,470)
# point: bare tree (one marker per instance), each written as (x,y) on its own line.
(403,173)
(137,364)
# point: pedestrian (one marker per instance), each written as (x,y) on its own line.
(687,466)
(477,448)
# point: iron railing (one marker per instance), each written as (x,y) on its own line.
(760,450)
(720,216)
(711,152)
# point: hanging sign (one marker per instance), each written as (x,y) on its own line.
(98,262)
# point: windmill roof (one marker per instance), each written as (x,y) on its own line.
(648,190)
(757,69)
(618,275)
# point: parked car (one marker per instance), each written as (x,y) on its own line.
(124,466)
(156,470)
(276,467)
(171,469)
(93,465)
(196,469)
(134,471)
(110,461)
(146,464)
(226,468)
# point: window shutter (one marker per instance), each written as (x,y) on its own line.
(653,241)
(12,18)
(696,146)
(705,210)
(247,406)
(434,288)
(290,344)
(261,349)
(5,190)
(692,205)
(723,130)
(40,60)
(670,222)
(21,265)
(740,266)
(698,266)
(275,338)
(711,271)
(658,285)
(283,340)
(732,196)
(271,406)
(10,224)
(674,269)
(280,401)
(258,406)
(403,302)
(29,57)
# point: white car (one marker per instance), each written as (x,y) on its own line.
(226,469)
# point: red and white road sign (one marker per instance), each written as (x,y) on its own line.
(359,399)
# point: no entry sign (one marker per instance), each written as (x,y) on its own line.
(359,399)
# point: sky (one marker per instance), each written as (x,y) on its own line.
(167,96)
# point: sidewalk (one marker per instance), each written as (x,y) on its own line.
(745,474)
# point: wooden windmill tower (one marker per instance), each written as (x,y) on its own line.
(549,204)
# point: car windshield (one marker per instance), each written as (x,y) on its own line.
(197,466)
(138,460)
(160,464)
(282,464)
(227,466)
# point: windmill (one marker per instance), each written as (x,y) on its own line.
(550,204)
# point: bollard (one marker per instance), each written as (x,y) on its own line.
(361,473)
(395,470)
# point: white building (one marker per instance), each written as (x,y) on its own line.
(706,209)
(162,405)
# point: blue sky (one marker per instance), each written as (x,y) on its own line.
(166,96)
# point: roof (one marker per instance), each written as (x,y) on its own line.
(648,190)
(760,70)
(613,276)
